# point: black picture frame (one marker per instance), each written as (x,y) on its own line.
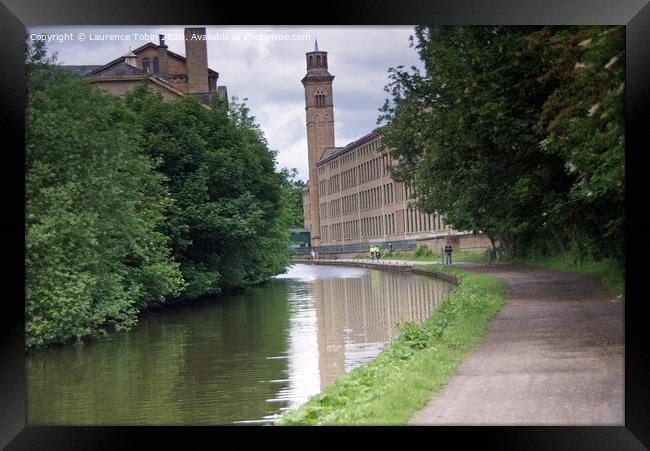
(15,15)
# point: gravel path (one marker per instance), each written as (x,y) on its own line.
(554,355)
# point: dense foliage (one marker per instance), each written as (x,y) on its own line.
(516,132)
(292,188)
(134,201)
(95,253)
(228,223)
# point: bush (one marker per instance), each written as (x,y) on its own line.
(422,251)
(413,335)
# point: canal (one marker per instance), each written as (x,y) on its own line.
(243,358)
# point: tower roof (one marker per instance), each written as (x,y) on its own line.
(129,54)
(317,65)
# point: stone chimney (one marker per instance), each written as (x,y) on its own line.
(196,53)
(162,57)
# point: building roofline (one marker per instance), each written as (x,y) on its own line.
(109,64)
(139,49)
(351,146)
(119,78)
(166,85)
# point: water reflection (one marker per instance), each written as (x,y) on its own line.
(240,358)
(357,311)
(344,317)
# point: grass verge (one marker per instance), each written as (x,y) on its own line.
(418,362)
(611,273)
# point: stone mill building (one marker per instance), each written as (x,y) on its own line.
(350,201)
(170,74)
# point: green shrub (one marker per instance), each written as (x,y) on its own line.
(422,251)
(413,335)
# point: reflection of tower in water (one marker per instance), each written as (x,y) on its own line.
(356,317)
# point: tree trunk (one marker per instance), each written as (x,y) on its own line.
(503,246)
(494,247)
(508,245)
(557,237)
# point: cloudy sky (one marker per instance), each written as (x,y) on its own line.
(265,65)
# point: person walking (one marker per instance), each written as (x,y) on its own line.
(448,251)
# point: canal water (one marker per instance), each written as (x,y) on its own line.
(240,359)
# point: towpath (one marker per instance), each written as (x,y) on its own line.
(554,355)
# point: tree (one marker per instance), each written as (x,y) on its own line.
(95,251)
(226,225)
(477,135)
(132,201)
(292,188)
(583,126)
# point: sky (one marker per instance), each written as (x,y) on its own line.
(265,64)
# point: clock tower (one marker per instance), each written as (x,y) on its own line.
(319,107)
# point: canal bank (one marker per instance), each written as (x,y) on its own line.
(418,362)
